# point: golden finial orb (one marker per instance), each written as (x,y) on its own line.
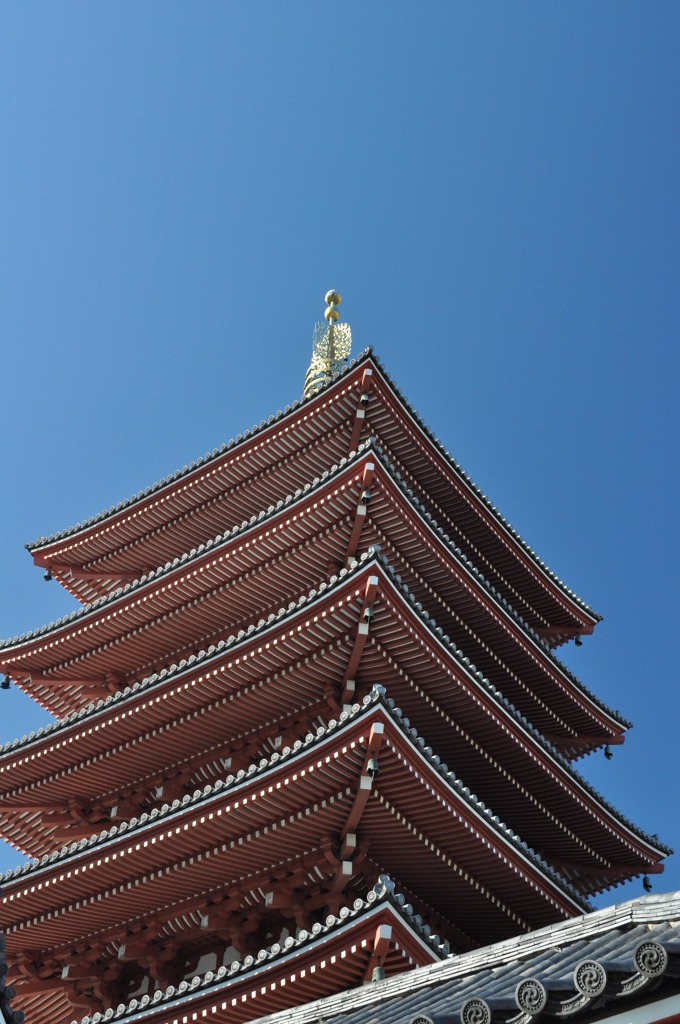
(331,348)
(333,299)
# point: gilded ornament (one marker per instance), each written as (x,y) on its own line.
(331,348)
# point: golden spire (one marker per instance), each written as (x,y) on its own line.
(332,343)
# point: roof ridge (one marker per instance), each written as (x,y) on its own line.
(470,565)
(516,713)
(478,491)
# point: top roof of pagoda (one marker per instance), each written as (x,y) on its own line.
(175,491)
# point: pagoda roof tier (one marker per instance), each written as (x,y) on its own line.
(277,556)
(265,464)
(620,964)
(315,821)
(334,955)
(273,683)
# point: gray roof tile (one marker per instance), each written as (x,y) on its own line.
(8,1015)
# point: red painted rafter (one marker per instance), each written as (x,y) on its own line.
(497,616)
(249,811)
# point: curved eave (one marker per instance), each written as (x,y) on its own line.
(201,680)
(164,505)
(583,617)
(47,691)
(153,601)
(324,764)
(246,537)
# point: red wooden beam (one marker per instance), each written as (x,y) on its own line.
(359,640)
(107,683)
(360,416)
(365,781)
(584,741)
(381,945)
(360,516)
(81,574)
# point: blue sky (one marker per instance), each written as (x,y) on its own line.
(493,190)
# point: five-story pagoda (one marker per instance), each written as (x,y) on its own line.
(311,729)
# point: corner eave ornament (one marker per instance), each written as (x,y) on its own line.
(332,344)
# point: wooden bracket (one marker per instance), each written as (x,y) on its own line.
(38,678)
(584,741)
(78,573)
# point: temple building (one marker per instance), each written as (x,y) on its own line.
(314,750)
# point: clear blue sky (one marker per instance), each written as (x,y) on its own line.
(493,188)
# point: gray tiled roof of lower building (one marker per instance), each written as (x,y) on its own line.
(610,956)
(621,951)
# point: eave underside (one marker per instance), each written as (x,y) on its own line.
(311,964)
(479,889)
(228,714)
(246,578)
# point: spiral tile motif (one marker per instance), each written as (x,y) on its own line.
(475,1011)
(651,958)
(531,996)
(590,978)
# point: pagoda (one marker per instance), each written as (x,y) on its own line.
(311,731)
